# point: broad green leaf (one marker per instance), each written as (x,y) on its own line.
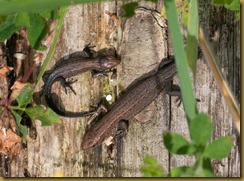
(229,1)
(24,96)
(234,5)
(219,2)
(201,129)
(228,4)
(237,15)
(8,27)
(151,168)
(183,171)
(130,9)
(150,160)
(177,144)
(219,148)
(49,14)
(3,18)
(22,19)
(8,19)
(192,36)
(47,117)
(36,31)
(22,129)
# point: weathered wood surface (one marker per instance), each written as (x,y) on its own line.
(142,42)
(220,23)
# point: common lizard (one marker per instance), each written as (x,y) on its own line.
(71,67)
(137,97)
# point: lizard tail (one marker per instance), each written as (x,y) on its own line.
(64,113)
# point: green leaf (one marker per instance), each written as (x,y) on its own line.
(151,168)
(237,15)
(49,14)
(192,36)
(22,19)
(8,27)
(36,31)
(229,1)
(202,170)
(163,13)
(234,5)
(10,6)
(47,117)
(185,18)
(201,129)
(9,19)
(207,170)
(219,2)
(130,9)
(3,18)
(22,129)
(24,96)
(177,144)
(183,171)
(219,148)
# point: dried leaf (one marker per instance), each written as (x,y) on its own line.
(5,70)
(10,143)
(16,88)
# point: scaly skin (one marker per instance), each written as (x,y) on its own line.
(134,100)
(69,68)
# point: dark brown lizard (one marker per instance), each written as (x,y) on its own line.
(72,67)
(134,100)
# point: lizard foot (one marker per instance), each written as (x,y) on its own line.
(67,84)
(89,50)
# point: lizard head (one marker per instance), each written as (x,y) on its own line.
(89,141)
(108,62)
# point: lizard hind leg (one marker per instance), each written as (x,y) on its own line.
(67,84)
(174,90)
(89,50)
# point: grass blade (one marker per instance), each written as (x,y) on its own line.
(53,46)
(188,98)
(192,36)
